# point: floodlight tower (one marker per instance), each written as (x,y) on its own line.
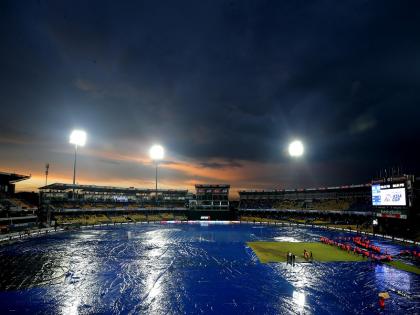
(78,138)
(156,153)
(47,167)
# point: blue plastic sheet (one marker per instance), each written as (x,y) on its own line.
(191,269)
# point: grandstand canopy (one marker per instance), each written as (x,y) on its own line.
(10,178)
(276,191)
(95,188)
(212,189)
(212,186)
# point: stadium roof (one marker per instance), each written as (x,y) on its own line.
(95,188)
(12,177)
(274,191)
(212,185)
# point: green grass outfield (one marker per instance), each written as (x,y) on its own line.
(277,251)
(403,266)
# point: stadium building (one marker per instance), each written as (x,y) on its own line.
(8,181)
(72,205)
(64,196)
(211,197)
(390,204)
(396,204)
(15,213)
(67,203)
(353,199)
(337,205)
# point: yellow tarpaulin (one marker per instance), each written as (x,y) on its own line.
(384,295)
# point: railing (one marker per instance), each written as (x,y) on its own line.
(364,213)
(6,238)
(326,227)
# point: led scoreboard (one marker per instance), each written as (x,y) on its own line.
(392,197)
(390,194)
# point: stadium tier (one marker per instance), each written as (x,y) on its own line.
(68,196)
(211,197)
(67,204)
(389,205)
(352,198)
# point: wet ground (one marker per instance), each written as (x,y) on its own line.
(190,269)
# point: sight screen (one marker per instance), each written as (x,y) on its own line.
(388,195)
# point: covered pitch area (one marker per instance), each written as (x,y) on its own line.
(192,269)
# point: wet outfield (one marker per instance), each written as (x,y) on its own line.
(190,269)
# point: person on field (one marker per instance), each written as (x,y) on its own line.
(381,302)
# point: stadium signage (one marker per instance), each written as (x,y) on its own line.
(389,195)
(120,198)
(392,215)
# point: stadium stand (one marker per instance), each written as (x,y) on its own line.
(15,213)
(343,198)
(209,196)
(347,206)
(89,197)
(66,204)
(91,204)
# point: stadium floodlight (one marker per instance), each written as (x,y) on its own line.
(78,138)
(296,148)
(156,153)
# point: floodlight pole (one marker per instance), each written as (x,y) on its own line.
(47,167)
(74,168)
(156,189)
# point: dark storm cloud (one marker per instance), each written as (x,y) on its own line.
(217,165)
(226,80)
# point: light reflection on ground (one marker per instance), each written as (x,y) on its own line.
(189,269)
(286,239)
